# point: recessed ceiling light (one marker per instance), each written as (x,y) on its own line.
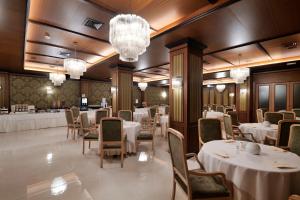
(47,36)
(64,54)
(93,23)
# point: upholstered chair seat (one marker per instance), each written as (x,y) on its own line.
(91,136)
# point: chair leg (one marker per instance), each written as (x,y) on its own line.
(68,132)
(122,155)
(82,145)
(153,147)
(89,144)
(101,158)
(174,190)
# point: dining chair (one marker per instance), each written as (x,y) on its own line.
(146,133)
(227,110)
(273,117)
(71,123)
(125,115)
(296,111)
(155,117)
(205,107)
(112,137)
(234,118)
(209,129)
(99,114)
(90,132)
(108,111)
(213,107)
(235,134)
(76,112)
(167,110)
(153,111)
(283,133)
(197,184)
(220,109)
(259,115)
(289,115)
(294,139)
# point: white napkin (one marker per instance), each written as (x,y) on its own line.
(222,154)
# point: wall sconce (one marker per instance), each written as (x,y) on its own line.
(49,90)
(231,94)
(176,82)
(221,88)
(243,91)
(113,89)
(164,94)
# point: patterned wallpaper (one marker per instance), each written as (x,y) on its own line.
(32,90)
(136,95)
(99,90)
(153,95)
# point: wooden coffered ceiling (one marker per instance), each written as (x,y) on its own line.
(262,31)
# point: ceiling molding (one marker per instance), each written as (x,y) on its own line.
(45,63)
(67,30)
(63,47)
(44,55)
(264,50)
(222,59)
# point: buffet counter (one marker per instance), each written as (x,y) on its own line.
(31,121)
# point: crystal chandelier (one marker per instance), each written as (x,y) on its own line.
(75,67)
(220,88)
(129,35)
(239,75)
(143,86)
(57,78)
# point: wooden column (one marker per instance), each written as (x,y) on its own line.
(122,80)
(186,102)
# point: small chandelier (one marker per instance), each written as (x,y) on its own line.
(143,86)
(239,75)
(129,35)
(75,67)
(220,88)
(57,78)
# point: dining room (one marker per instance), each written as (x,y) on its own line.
(156,99)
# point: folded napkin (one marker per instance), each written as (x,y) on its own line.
(222,154)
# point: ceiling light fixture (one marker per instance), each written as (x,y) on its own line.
(74,66)
(143,86)
(57,78)
(47,36)
(239,75)
(129,35)
(221,88)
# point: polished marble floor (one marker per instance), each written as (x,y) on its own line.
(43,164)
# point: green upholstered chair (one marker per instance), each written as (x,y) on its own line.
(90,132)
(71,123)
(214,107)
(209,129)
(108,111)
(227,110)
(273,117)
(76,112)
(296,111)
(259,115)
(294,140)
(167,110)
(146,133)
(205,107)
(125,114)
(112,137)
(153,111)
(197,184)
(234,118)
(289,115)
(283,133)
(235,134)
(220,109)
(99,115)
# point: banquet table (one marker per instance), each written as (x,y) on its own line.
(164,122)
(214,114)
(254,176)
(138,116)
(32,121)
(131,129)
(259,130)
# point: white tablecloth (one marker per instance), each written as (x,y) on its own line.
(131,129)
(259,131)
(213,114)
(164,122)
(162,110)
(141,110)
(138,116)
(254,176)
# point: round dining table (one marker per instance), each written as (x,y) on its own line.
(272,175)
(259,130)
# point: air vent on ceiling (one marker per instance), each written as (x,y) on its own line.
(92,23)
(290,45)
(64,54)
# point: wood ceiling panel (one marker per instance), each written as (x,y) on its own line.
(156,70)
(158,13)
(44,59)
(249,54)
(12,34)
(277,48)
(71,15)
(55,51)
(210,62)
(59,37)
